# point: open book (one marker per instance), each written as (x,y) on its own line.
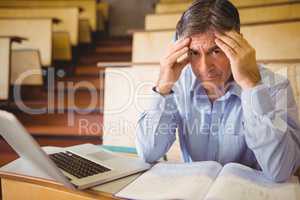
(208,180)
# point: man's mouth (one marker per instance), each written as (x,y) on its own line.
(213,75)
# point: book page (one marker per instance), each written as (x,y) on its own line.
(237,182)
(173,181)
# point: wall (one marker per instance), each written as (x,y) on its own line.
(128,14)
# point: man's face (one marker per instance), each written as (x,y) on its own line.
(209,63)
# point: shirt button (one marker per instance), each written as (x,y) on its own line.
(214,128)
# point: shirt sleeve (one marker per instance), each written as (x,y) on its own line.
(272,129)
(156,127)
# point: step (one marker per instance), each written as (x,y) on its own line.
(94,59)
(8,154)
(67,100)
(65,82)
(114,41)
(100,51)
(67,87)
(64,123)
(114,49)
(81,82)
(30,92)
(92,70)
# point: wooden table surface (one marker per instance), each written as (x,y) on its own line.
(20,187)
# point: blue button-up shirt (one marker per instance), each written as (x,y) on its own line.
(258,127)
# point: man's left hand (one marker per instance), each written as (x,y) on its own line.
(242,58)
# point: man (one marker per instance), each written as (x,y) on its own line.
(225,106)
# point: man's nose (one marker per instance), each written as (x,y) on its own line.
(206,63)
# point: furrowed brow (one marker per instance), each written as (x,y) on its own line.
(213,48)
(193,50)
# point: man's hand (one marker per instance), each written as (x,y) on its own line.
(242,58)
(172,64)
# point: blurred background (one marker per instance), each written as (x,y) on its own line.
(70,69)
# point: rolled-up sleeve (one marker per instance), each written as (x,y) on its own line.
(272,129)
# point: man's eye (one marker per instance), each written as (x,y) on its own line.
(193,53)
(216,51)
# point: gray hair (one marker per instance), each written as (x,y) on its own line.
(205,15)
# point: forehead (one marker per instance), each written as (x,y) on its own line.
(202,41)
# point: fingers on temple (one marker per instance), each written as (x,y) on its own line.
(178,46)
(229,41)
(177,55)
(229,52)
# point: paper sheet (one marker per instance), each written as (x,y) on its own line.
(173,181)
(249,184)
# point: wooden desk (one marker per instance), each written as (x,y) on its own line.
(18,187)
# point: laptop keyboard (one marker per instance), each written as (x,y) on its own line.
(76,165)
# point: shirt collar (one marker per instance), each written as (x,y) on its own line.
(234,88)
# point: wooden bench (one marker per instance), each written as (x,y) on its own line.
(84,31)
(174,1)
(181,6)
(88,16)
(266,14)
(5,49)
(26,67)
(102,15)
(278,41)
(65,33)
(40,39)
(18,63)
(88,6)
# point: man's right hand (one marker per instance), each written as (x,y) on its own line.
(171,66)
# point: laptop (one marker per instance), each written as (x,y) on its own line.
(77,167)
